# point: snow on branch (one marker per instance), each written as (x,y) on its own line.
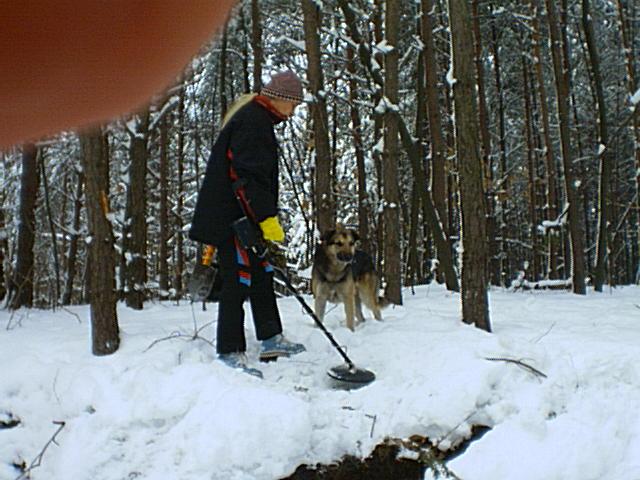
(556,224)
(299,44)
(385,105)
(166,108)
(384,47)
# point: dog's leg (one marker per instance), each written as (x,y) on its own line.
(349,309)
(376,311)
(369,297)
(359,314)
(320,304)
(375,305)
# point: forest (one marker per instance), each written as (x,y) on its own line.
(474,143)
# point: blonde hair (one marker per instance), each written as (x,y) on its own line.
(237,105)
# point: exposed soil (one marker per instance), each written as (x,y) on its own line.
(8,420)
(393,459)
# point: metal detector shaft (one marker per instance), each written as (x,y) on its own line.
(308,309)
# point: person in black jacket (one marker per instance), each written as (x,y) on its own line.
(246,151)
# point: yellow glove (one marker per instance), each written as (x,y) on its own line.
(271,230)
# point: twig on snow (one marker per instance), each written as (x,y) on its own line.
(38,460)
(10,327)
(545,333)
(188,337)
(373,423)
(72,313)
(465,420)
(520,363)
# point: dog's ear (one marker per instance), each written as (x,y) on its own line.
(327,236)
(354,234)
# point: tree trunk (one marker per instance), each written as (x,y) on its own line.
(325,208)
(553,236)
(627,44)
(576,229)
(356,124)
(3,239)
(532,162)
(603,151)
(438,146)
(179,236)
(135,232)
(246,86)
(483,116)
(391,157)
(21,289)
(502,220)
(101,260)
(52,232)
(438,175)
(163,251)
(223,70)
(413,269)
(487,161)
(256,44)
(72,254)
(475,308)
(375,38)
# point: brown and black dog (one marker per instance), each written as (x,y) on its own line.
(343,274)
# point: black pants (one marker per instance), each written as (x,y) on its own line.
(266,318)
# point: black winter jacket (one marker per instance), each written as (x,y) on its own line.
(247,141)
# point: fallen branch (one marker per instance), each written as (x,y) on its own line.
(38,460)
(520,363)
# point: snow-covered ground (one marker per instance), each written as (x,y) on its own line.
(173,412)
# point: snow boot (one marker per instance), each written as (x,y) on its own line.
(239,361)
(278,346)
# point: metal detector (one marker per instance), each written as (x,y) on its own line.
(250,237)
(348,375)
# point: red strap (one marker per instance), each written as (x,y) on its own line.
(239,190)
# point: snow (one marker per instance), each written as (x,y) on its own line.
(385,105)
(635,98)
(384,47)
(299,44)
(169,410)
(451,80)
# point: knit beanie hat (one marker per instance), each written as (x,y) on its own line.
(285,86)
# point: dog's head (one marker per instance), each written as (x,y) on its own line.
(340,243)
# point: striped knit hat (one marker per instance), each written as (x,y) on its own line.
(285,86)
